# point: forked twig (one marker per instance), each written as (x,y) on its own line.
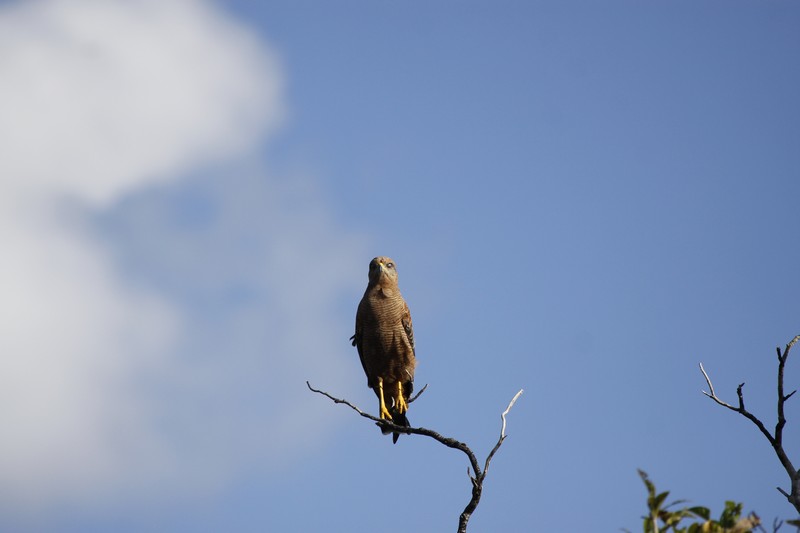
(480,474)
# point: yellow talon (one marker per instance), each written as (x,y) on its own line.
(401,404)
(384,411)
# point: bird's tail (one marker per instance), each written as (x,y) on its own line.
(399,419)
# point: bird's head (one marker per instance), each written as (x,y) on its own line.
(382,269)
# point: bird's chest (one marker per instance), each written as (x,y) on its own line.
(384,318)
(384,307)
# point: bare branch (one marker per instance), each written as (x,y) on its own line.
(712,394)
(502,432)
(418,394)
(741,398)
(792,342)
(480,475)
(503,416)
(477,481)
(337,400)
(708,382)
(781,397)
(776,439)
(741,409)
(389,426)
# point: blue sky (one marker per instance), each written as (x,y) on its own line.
(584,201)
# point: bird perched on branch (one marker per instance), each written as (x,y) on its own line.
(385,341)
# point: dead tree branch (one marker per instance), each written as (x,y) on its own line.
(476,479)
(776,438)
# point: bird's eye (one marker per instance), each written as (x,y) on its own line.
(389,265)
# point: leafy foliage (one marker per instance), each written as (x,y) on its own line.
(664,517)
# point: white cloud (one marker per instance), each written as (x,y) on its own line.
(71,337)
(108,388)
(99,97)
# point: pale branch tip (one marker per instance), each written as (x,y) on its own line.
(708,382)
(790,344)
(480,474)
(712,394)
(503,416)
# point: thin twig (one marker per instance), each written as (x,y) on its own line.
(418,394)
(480,475)
(502,432)
(711,395)
(503,416)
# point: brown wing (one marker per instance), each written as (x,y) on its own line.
(408,327)
(358,341)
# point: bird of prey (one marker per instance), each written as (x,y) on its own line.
(385,341)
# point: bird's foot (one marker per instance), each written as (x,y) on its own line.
(401,406)
(384,411)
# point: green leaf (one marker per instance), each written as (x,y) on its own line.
(659,500)
(651,489)
(702,512)
(731,514)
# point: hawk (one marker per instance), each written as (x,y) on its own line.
(385,341)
